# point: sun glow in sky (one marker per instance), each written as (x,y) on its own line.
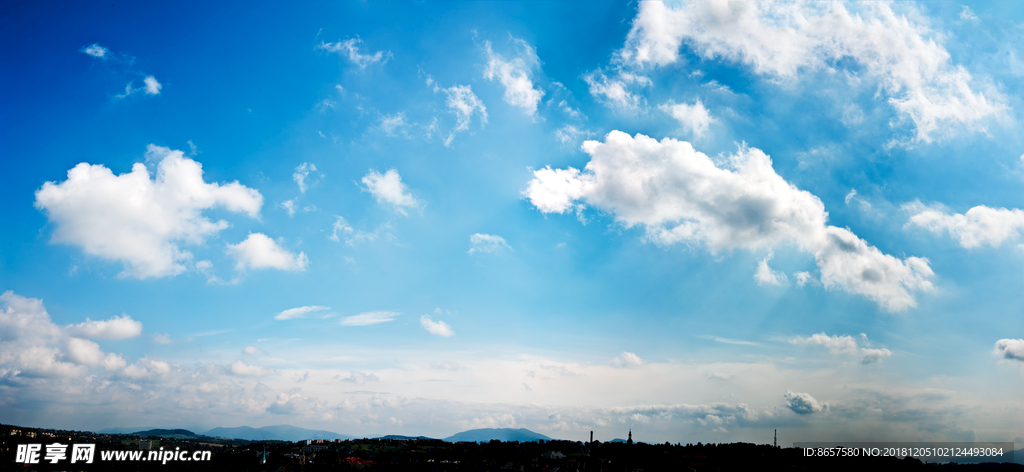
(701,220)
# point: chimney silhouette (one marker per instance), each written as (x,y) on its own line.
(591,436)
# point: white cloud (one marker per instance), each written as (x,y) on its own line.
(340,225)
(394,125)
(246,370)
(162,338)
(514,75)
(966,13)
(31,345)
(1010,349)
(152,86)
(348,48)
(139,221)
(289,206)
(301,174)
(695,118)
(765,275)
(464,103)
(844,345)
(486,243)
(389,188)
(369,318)
(300,312)
(570,134)
(738,342)
(680,195)
(360,378)
(803,278)
(980,226)
(615,91)
(258,251)
(803,403)
(253,351)
(783,39)
(95,50)
(438,327)
(628,359)
(118,327)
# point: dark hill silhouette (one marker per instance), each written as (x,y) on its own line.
(501,434)
(167,433)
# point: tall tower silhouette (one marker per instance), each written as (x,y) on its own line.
(776,442)
(630,440)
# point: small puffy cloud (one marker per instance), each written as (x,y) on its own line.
(834,344)
(300,312)
(765,275)
(844,345)
(627,359)
(340,226)
(804,278)
(803,403)
(84,352)
(874,355)
(253,351)
(966,13)
(152,86)
(301,174)
(980,226)
(369,318)
(147,369)
(679,195)
(464,103)
(118,327)
(1010,349)
(389,188)
(258,251)
(348,48)
(615,91)
(245,370)
(289,206)
(359,378)
(95,50)
(394,125)
(695,118)
(162,338)
(783,40)
(438,327)
(486,243)
(570,134)
(514,75)
(137,220)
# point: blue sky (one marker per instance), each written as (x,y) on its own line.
(702,221)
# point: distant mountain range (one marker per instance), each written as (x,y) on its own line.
(281,432)
(501,434)
(286,432)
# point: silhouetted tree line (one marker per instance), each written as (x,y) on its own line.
(370,455)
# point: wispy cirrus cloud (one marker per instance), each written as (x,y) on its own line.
(300,312)
(349,49)
(369,318)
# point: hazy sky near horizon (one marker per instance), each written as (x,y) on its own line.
(701,221)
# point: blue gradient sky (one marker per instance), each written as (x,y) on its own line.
(421,218)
